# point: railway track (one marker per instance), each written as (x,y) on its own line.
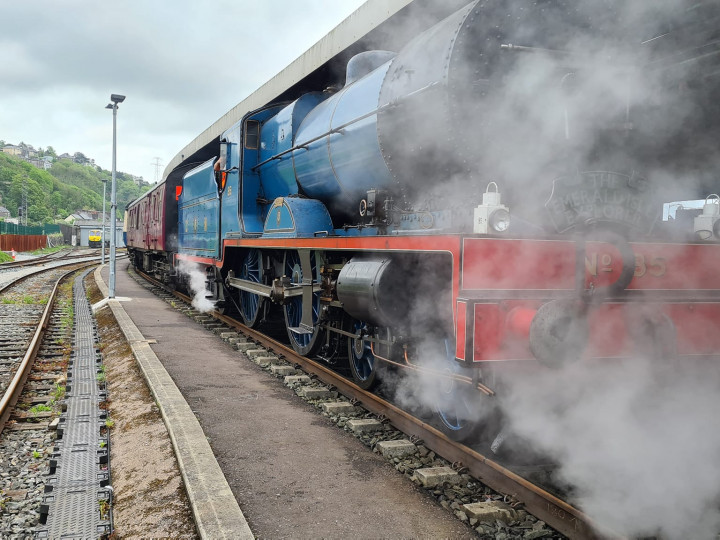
(36,324)
(64,254)
(540,502)
(26,306)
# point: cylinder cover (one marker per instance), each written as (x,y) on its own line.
(374,290)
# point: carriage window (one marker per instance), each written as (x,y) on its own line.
(252,134)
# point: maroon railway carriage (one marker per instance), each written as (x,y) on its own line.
(151,223)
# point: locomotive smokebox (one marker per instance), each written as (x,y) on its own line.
(374,290)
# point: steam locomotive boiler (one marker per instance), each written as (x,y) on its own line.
(487,199)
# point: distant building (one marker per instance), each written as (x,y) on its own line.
(65,156)
(81,232)
(12,150)
(84,215)
(4,213)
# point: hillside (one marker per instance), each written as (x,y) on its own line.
(66,188)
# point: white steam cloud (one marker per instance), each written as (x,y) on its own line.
(637,441)
(196,279)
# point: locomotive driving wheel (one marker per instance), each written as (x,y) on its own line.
(304,340)
(363,364)
(456,404)
(251,304)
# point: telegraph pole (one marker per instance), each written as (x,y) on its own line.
(157,165)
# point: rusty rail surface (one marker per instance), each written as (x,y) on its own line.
(15,388)
(557,513)
(49,257)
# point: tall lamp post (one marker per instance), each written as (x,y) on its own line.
(116,99)
(102,259)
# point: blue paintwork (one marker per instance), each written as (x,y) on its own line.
(231,194)
(277,135)
(335,172)
(252,213)
(198,217)
(293,217)
(339,169)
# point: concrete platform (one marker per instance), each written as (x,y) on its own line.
(293,473)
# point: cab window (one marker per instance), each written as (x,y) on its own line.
(252,134)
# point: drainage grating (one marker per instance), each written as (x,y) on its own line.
(77,494)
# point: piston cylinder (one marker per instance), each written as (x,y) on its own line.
(374,290)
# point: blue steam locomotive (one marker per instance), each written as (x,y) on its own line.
(485,199)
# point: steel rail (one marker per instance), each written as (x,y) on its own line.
(14,389)
(42,260)
(66,262)
(557,513)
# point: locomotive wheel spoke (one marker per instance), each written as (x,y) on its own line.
(302,342)
(251,304)
(363,364)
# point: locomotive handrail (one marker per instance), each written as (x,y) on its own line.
(340,128)
(522,48)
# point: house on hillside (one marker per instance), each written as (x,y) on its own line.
(4,213)
(84,215)
(42,162)
(12,150)
(65,156)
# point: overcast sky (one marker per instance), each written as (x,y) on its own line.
(181,63)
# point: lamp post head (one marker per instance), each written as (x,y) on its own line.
(109,106)
(117,98)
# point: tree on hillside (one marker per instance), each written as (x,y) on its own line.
(79,157)
(50,151)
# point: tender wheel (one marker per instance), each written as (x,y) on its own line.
(303,343)
(251,304)
(363,365)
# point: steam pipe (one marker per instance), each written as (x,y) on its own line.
(429,371)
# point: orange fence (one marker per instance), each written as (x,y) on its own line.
(22,242)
